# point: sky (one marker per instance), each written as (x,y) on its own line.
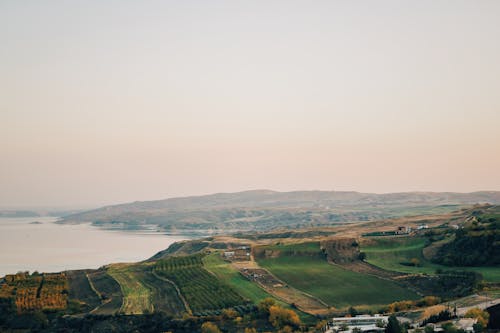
(104,102)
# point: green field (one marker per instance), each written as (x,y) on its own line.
(232,277)
(391,254)
(333,284)
(137,297)
(201,289)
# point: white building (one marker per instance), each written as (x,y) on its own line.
(363,323)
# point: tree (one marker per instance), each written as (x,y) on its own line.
(393,325)
(229,314)
(353,312)
(280,317)
(429,329)
(478,328)
(482,316)
(265,304)
(209,327)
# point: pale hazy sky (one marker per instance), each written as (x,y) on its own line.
(113,101)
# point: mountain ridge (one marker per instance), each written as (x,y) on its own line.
(267,209)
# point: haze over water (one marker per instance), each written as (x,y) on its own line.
(49,247)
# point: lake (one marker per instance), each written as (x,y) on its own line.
(48,247)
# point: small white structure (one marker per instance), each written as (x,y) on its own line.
(228,254)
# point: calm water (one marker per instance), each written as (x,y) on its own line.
(49,247)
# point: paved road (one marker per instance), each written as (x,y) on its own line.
(484,305)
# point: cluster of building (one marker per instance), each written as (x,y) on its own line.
(377,323)
(238,254)
(360,323)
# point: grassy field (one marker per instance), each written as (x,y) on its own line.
(137,297)
(249,290)
(391,254)
(334,285)
(232,277)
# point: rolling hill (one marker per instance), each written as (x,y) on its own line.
(262,210)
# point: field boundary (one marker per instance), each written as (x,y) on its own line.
(186,304)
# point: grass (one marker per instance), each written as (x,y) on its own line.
(307,247)
(249,290)
(226,273)
(137,297)
(333,284)
(390,253)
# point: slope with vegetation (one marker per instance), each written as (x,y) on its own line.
(203,291)
(264,210)
(475,243)
(304,267)
(275,276)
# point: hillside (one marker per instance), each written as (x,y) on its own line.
(317,272)
(262,210)
(476,242)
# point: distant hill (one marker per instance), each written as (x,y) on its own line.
(19,213)
(265,210)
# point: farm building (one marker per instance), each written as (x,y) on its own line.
(239,254)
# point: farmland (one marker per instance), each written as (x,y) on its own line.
(394,253)
(333,284)
(232,277)
(108,290)
(36,291)
(81,291)
(202,290)
(137,297)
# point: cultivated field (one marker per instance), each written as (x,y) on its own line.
(137,297)
(108,290)
(332,284)
(201,289)
(395,253)
(229,275)
(81,291)
(47,291)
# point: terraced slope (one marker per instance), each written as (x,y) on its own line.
(201,289)
(108,290)
(81,292)
(137,297)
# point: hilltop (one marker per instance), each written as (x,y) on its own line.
(262,210)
